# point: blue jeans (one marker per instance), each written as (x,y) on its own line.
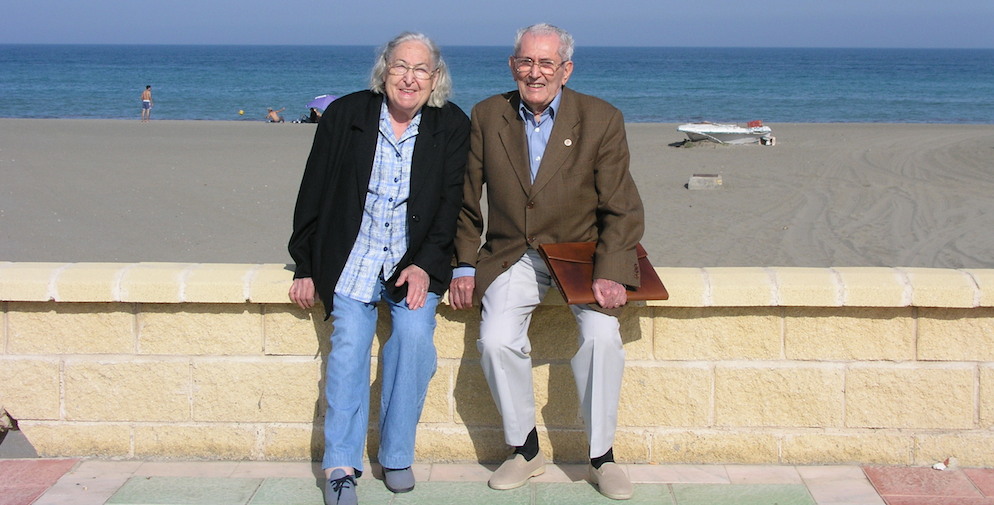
(408,364)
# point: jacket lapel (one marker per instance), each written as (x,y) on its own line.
(562,141)
(424,146)
(368,129)
(512,136)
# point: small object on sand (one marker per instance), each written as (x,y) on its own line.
(704,181)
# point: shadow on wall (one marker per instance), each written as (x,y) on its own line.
(561,429)
(555,342)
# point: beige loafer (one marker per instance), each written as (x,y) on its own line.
(611,481)
(516,471)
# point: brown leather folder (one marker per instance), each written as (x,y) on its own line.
(572,267)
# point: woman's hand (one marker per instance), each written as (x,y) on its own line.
(417,286)
(302,292)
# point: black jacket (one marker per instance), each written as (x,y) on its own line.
(333,192)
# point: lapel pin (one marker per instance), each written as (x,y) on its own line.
(568,142)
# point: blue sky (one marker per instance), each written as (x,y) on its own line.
(743,23)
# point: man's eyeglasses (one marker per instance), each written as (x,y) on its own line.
(400,68)
(547,67)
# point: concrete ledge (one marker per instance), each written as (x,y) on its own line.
(689,287)
(741,365)
(144,282)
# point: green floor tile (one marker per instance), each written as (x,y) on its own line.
(742,494)
(185,491)
(287,491)
(461,493)
(582,493)
(374,492)
(298,491)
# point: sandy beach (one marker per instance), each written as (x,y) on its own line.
(905,195)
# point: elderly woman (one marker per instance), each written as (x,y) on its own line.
(374,223)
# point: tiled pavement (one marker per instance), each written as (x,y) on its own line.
(93,482)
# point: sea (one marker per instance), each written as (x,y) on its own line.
(648,84)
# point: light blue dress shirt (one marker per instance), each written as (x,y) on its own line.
(538,132)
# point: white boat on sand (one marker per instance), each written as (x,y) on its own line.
(729,133)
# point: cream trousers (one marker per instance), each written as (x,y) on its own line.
(598,364)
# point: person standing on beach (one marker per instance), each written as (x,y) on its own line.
(147,103)
(555,164)
(374,223)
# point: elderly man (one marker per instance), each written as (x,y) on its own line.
(555,164)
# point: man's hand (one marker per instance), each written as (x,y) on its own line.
(609,294)
(461,292)
(417,286)
(302,292)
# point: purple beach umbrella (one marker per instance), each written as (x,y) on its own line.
(321,102)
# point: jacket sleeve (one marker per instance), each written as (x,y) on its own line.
(308,206)
(435,253)
(620,215)
(469,229)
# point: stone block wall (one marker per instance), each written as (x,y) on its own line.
(741,365)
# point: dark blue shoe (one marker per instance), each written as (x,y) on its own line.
(398,480)
(340,489)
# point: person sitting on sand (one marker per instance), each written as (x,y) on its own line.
(274,115)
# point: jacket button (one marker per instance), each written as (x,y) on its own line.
(504,265)
(416,218)
(531,205)
(531,238)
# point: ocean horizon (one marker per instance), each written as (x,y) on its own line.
(648,84)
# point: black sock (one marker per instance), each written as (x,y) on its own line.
(530,449)
(608,457)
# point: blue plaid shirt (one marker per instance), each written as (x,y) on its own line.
(382,239)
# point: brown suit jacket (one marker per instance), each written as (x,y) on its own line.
(583,190)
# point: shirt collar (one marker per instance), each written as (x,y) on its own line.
(412,129)
(551,109)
